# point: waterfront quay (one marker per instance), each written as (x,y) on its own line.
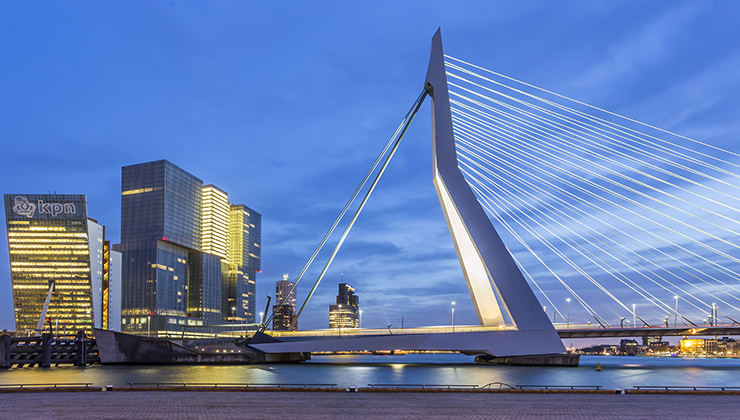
(358,405)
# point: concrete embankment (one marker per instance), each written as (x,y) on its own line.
(362,405)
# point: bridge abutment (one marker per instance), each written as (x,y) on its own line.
(532,360)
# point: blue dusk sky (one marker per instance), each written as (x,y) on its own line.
(285,105)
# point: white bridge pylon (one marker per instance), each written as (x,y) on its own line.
(515,324)
(490,271)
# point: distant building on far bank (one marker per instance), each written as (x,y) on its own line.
(55,247)
(345,313)
(283,315)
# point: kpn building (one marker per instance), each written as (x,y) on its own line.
(59,259)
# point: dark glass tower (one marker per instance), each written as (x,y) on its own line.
(160,232)
(344,313)
(175,240)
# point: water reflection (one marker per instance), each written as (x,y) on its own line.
(617,372)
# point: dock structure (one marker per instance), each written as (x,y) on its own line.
(47,350)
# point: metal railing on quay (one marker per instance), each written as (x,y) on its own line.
(687,388)
(574,387)
(226,385)
(422,386)
(57,385)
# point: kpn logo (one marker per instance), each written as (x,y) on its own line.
(23,207)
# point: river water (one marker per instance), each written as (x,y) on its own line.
(618,372)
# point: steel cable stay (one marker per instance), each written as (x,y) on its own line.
(519,193)
(606,122)
(393,139)
(574,245)
(694,305)
(561,181)
(558,252)
(617,130)
(631,202)
(596,175)
(603,139)
(512,231)
(576,267)
(506,179)
(552,137)
(696,286)
(398,137)
(584,138)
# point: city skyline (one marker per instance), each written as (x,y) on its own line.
(285,107)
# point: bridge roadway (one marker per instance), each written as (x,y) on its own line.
(564,331)
(501,342)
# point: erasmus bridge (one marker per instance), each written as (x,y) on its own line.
(601,204)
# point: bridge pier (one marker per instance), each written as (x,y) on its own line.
(533,360)
(45,350)
(81,349)
(5,344)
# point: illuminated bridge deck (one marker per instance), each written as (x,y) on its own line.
(574,331)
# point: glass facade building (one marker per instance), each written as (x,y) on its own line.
(283,315)
(53,245)
(177,251)
(344,313)
(245,238)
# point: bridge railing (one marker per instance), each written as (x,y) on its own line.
(386,331)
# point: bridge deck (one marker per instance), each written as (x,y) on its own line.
(574,331)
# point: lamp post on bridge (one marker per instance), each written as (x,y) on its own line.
(567,320)
(360,318)
(675,314)
(621,323)
(453,316)
(634,315)
(666,321)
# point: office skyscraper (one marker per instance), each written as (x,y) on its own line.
(176,240)
(284,314)
(245,238)
(344,313)
(53,245)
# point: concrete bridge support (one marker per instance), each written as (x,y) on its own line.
(5,344)
(81,349)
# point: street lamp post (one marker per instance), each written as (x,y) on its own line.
(262,318)
(453,316)
(589,325)
(148,325)
(360,318)
(675,314)
(621,323)
(666,321)
(567,320)
(634,315)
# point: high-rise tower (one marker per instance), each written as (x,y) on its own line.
(284,314)
(344,313)
(54,247)
(178,241)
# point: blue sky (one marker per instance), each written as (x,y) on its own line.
(285,105)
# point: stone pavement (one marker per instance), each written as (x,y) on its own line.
(327,405)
